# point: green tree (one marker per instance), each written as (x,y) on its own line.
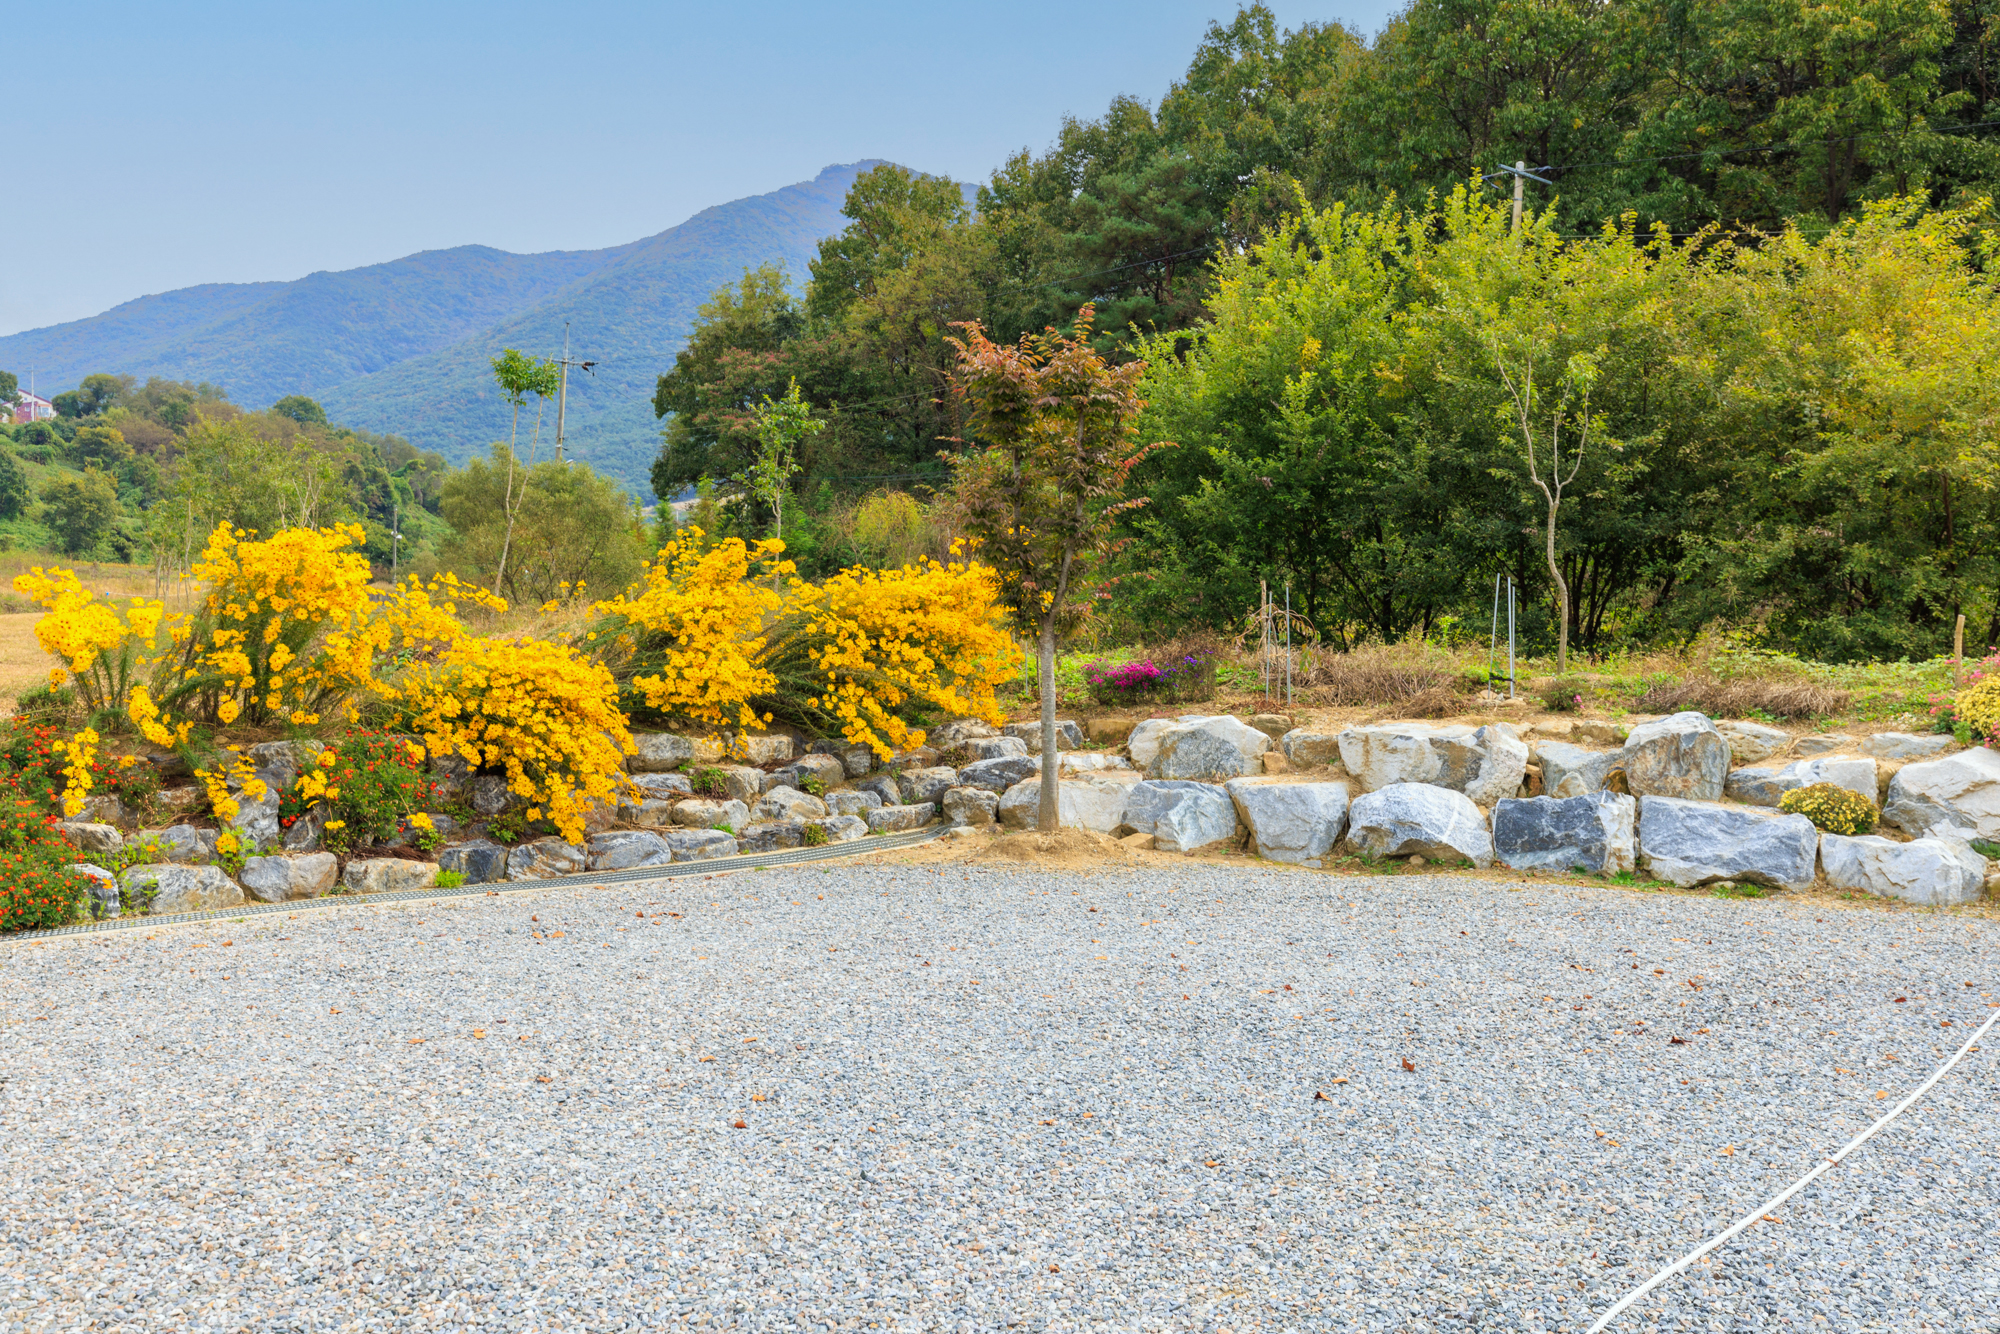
(728,364)
(519,376)
(572,527)
(100,447)
(1042,485)
(10,389)
(79,510)
(300,409)
(782,424)
(13,486)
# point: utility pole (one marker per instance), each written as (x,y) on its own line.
(396,543)
(562,390)
(1519,171)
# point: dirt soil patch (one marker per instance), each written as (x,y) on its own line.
(1071,848)
(23,665)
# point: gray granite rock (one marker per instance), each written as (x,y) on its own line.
(771,836)
(884,787)
(1095,802)
(1485,763)
(279,879)
(1143,744)
(1678,756)
(653,812)
(1069,736)
(545,859)
(107,809)
(970,806)
(479,860)
(995,747)
(378,875)
(1181,815)
(997,776)
(1597,832)
(1825,743)
(853,802)
(100,840)
(184,843)
(926,786)
(857,761)
(760,750)
(1289,820)
(895,819)
(1699,842)
(625,849)
(842,828)
(1751,742)
(1937,871)
(693,845)
(1210,749)
(1956,796)
(1419,820)
(1572,771)
(656,785)
(787,803)
(826,770)
(960,730)
(182,888)
(739,781)
(657,752)
(1907,745)
(710,813)
(1307,749)
(491,797)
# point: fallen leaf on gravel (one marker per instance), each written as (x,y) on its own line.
(1341,1080)
(227,943)
(1677,1042)
(1409,1064)
(1088,1115)
(336,1010)
(1901,999)
(740,1124)
(749,1039)
(1057,1269)
(1213,1163)
(543,1079)
(757,1097)
(1048,1123)
(1772,1218)
(1319,1095)
(414,1041)
(1729,1150)
(479,1032)
(1883,1094)
(704,1058)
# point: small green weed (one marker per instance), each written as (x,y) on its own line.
(450,879)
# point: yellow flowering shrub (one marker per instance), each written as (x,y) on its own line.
(540,713)
(77,753)
(1978,707)
(685,644)
(105,649)
(867,650)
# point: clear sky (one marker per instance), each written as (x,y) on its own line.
(176,144)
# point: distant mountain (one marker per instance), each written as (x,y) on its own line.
(404,347)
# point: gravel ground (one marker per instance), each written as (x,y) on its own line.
(965,1097)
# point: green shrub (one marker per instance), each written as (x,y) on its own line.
(37,888)
(372,782)
(1831,808)
(813,785)
(1564,694)
(815,836)
(450,879)
(708,782)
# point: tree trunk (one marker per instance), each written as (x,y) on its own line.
(1047,815)
(1562,596)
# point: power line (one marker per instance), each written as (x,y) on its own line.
(1763,148)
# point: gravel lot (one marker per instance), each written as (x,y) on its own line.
(979,1098)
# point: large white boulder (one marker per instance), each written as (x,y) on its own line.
(1751,742)
(1906,745)
(1143,745)
(624,849)
(182,888)
(1485,763)
(996,747)
(1288,820)
(926,786)
(657,752)
(1679,756)
(693,845)
(1699,842)
(1419,820)
(1210,750)
(973,806)
(546,859)
(278,879)
(1307,749)
(1928,870)
(899,819)
(960,730)
(1068,734)
(1765,786)
(1095,802)
(1181,815)
(1597,832)
(1957,796)
(711,813)
(997,776)
(787,803)
(381,875)
(1573,771)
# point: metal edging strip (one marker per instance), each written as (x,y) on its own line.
(637,875)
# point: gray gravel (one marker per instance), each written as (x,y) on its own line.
(973,1103)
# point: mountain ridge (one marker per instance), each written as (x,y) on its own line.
(402,347)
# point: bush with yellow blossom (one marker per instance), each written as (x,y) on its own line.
(684,645)
(539,713)
(867,652)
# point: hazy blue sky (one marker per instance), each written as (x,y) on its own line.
(207,142)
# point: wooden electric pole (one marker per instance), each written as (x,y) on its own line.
(562,390)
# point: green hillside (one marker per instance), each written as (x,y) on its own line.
(403,348)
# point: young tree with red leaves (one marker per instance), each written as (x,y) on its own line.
(1052,433)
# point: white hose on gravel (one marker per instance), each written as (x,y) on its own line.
(1797,1186)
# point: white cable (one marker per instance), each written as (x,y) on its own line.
(1797,1186)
